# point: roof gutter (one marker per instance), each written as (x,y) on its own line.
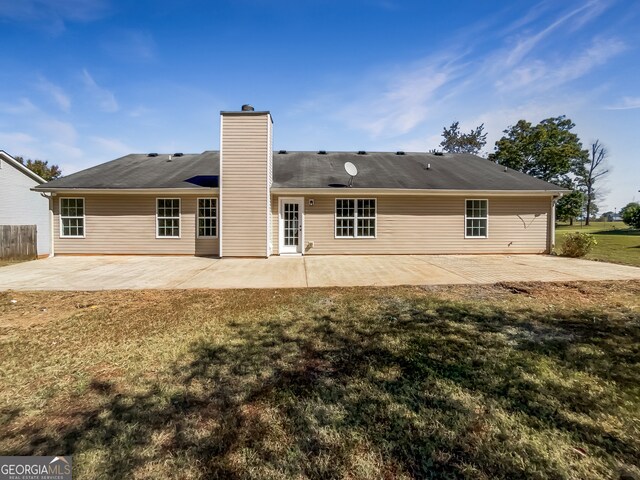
(133,191)
(410,192)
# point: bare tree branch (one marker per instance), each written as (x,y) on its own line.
(595,169)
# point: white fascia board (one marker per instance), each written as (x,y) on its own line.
(411,192)
(133,191)
(12,161)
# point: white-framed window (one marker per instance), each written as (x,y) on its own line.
(355,218)
(207,217)
(71,217)
(167,218)
(476,218)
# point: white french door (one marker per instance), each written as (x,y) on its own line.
(291,225)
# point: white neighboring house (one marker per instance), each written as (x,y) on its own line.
(19,205)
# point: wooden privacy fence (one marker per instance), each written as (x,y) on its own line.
(18,242)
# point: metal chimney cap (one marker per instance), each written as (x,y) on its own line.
(247,108)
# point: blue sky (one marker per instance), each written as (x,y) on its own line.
(86,81)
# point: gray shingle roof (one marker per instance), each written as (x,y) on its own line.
(409,171)
(139,171)
(376,170)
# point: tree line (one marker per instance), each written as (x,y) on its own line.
(41,168)
(549,151)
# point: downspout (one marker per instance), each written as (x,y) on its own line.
(51,229)
(552,227)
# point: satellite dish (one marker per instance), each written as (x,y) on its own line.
(351,169)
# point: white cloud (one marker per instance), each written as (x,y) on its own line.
(580,16)
(13,138)
(627,103)
(139,111)
(56,93)
(533,14)
(112,146)
(63,132)
(36,134)
(64,151)
(19,144)
(599,53)
(52,14)
(23,107)
(134,45)
(461,80)
(105,99)
(546,75)
(401,101)
(419,144)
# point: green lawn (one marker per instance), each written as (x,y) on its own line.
(617,243)
(480,382)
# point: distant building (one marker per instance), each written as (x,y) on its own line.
(20,205)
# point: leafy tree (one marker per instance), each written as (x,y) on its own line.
(593,170)
(42,168)
(457,142)
(570,206)
(607,216)
(548,150)
(630,214)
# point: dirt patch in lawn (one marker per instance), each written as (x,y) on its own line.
(559,294)
(20,310)
(515,380)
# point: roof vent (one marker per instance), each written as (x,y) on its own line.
(247,108)
(400,152)
(322,152)
(428,166)
(179,154)
(282,152)
(505,169)
(361,152)
(152,155)
(438,154)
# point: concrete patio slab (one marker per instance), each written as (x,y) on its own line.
(378,270)
(280,272)
(142,272)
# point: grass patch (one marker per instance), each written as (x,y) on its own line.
(617,243)
(483,382)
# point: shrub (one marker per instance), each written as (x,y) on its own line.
(631,214)
(577,244)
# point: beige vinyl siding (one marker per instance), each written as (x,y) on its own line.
(429,225)
(268,186)
(126,224)
(244,204)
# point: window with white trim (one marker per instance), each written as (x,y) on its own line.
(355,217)
(207,217)
(72,217)
(168,217)
(476,218)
